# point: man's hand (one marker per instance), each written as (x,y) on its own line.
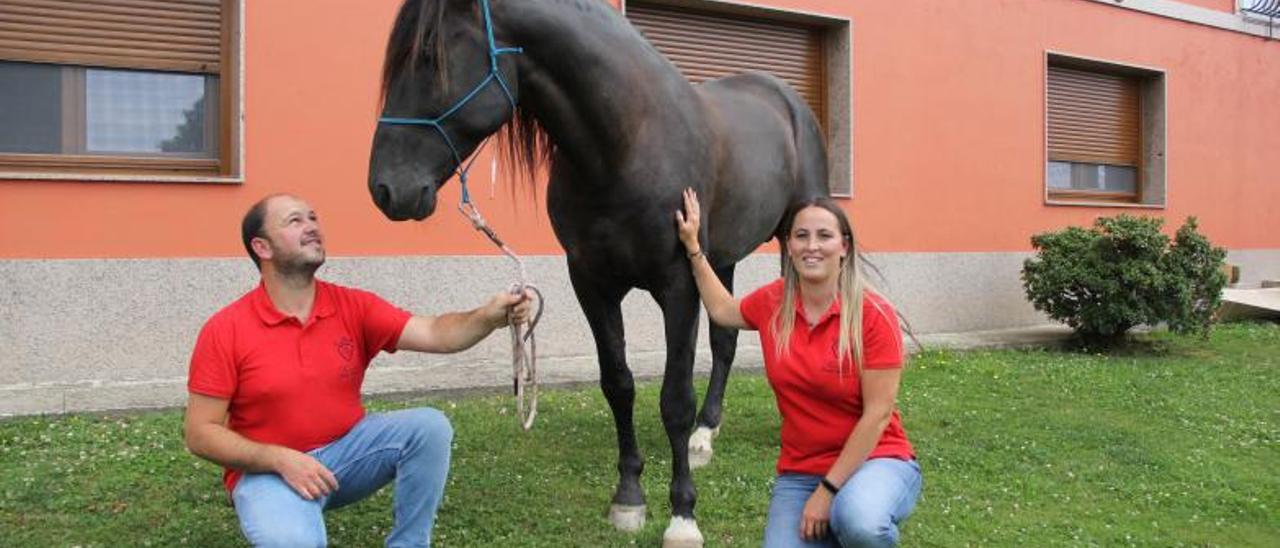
(508,308)
(814,522)
(303,473)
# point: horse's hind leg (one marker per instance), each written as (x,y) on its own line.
(724,344)
(680,314)
(603,309)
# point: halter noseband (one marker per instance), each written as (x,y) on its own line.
(494,75)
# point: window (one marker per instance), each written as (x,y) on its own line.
(134,87)
(1104,133)
(809,53)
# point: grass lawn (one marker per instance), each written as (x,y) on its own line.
(1173,442)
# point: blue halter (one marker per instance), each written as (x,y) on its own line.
(494,75)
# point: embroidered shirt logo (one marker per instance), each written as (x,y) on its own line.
(831,363)
(346,348)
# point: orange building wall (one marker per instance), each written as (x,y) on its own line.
(948,137)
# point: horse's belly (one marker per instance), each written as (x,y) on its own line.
(626,247)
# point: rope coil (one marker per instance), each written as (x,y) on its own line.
(524,355)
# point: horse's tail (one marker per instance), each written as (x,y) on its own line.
(811,150)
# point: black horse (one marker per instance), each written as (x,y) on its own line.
(573,83)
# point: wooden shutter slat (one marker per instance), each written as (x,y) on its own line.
(1091,134)
(1092,117)
(70,19)
(729,66)
(108,29)
(682,18)
(706,46)
(178,35)
(107,43)
(110,58)
(680,27)
(203,6)
(797,62)
(1077,143)
(160,10)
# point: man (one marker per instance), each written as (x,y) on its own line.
(275,390)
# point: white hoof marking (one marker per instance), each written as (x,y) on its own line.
(627,518)
(682,533)
(700,450)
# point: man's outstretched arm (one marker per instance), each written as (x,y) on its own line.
(458,331)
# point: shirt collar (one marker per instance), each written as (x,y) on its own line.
(832,311)
(270,315)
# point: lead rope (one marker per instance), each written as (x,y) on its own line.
(524,347)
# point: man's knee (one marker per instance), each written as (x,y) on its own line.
(285,533)
(431,425)
(272,514)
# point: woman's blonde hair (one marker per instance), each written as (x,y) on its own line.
(852,284)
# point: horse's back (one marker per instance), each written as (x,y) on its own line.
(769,154)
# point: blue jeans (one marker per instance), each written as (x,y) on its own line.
(866,511)
(411,446)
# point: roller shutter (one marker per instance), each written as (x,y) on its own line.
(167,35)
(706,45)
(1093,117)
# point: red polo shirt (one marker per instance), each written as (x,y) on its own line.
(819,404)
(290,383)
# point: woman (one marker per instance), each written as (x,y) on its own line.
(833,354)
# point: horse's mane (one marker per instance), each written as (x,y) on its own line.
(418,33)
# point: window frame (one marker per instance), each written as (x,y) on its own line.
(226,167)
(1151,189)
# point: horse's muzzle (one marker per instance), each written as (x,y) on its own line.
(406,205)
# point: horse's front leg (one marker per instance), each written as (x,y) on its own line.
(679,302)
(724,344)
(603,309)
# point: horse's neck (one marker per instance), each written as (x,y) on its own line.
(589,78)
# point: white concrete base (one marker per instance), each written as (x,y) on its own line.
(700,450)
(627,518)
(97,334)
(682,533)
(1244,304)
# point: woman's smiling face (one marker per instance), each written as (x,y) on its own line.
(815,245)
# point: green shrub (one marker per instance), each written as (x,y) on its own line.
(1123,273)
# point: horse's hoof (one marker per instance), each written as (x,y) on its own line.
(700,446)
(627,517)
(682,533)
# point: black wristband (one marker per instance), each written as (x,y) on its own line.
(826,484)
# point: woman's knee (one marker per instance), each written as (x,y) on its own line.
(856,523)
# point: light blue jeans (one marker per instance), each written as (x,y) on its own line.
(411,446)
(866,511)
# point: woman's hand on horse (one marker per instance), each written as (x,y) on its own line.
(687,220)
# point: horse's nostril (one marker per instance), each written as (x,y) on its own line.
(382,195)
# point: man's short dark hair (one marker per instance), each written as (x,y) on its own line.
(251,227)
